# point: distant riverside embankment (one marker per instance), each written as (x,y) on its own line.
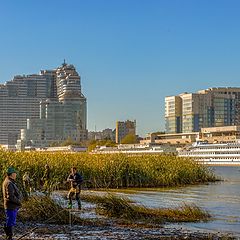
(108,171)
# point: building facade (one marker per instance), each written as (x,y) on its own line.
(106,134)
(124,128)
(213,107)
(210,135)
(19,100)
(173,114)
(48,106)
(61,118)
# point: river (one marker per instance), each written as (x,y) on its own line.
(221,200)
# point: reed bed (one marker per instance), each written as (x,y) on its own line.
(44,209)
(122,208)
(108,171)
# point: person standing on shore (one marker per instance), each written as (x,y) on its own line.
(76,180)
(45,179)
(12,201)
(27,183)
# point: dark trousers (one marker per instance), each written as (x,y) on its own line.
(75,191)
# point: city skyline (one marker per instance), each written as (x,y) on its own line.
(130,55)
(43,109)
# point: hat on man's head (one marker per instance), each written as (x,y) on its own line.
(11,170)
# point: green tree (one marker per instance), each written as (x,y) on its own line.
(93,144)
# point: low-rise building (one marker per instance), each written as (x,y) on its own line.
(210,134)
(172,138)
(106,134)
(220,134)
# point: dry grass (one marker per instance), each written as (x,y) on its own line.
(123,208)
(44,209)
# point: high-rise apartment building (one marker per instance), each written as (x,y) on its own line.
(19,100)
(192,112)
(213,107)
(173,114)
(51,101)
(125,128)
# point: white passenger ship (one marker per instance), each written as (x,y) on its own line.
(213,154)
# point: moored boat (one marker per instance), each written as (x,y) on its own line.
(213,153)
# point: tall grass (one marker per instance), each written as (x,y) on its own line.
(108,171)
(44,209)
(123,208)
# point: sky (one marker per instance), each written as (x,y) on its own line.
(130,53)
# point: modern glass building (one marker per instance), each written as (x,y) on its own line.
(213,107)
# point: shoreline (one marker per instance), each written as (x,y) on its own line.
(110,231)
(102,227)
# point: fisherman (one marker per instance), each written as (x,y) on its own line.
(45,179)
(12,201)
(27,183)
(76,180)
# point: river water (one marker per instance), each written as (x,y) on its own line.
(221,200)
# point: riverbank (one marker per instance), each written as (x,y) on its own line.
(110,231)
(220,199)
(88,224)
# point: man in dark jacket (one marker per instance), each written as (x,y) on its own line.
(76,180)
(12,201)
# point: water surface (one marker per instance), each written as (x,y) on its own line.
(221,200)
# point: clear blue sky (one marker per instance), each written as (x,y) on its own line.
(129,53)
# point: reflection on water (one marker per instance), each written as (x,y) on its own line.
(221,199)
